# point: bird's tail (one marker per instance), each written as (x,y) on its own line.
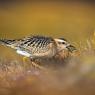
(6,42)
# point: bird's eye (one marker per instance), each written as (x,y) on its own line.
(63,42)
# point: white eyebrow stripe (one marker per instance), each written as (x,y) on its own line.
(60,40)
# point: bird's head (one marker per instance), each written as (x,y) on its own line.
(63,44)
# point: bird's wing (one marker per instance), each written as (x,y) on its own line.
(33,41)
(36,45)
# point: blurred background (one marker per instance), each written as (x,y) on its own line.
(71,19)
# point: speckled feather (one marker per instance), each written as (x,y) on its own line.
(35,43)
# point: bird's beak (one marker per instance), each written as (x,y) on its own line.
(71,48)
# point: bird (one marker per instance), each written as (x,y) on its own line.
(38,47)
